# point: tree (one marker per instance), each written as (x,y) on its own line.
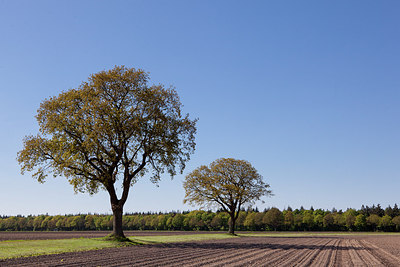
(385,223)
(228,183)
(288,220)
(298,221)
(177,221)
(373,221)
(308,220)
(240,220)
(396,222)
(114,127)
(328,221)
(396,211)
(258,220)
(217,222)
(273,219)
(250,221)
(360,222)
(319,221)
(350,218)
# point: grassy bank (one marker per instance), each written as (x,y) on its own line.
(305,234)
(26,248)
(178,238)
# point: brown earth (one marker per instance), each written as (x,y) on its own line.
(243,251)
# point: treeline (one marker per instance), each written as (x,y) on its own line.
(365,219)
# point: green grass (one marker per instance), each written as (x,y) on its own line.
(305,234)
(25,248)
(178,238)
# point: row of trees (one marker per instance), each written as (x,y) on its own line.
(366,219)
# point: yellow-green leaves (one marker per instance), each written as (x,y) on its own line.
(114,126)
(228,183)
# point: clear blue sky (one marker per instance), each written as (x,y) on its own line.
(307,91)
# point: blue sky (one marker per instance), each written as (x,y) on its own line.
(307,91)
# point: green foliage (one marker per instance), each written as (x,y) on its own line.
(228,184)
(396,223)
(361,222)
(350,218)
(177,221)
(114,127)
(273,219)
(319,221)
(200,220)
(373,221)
(288,220)
(329,221)
(250,221)
(113,122)
(308,220)
(386,223)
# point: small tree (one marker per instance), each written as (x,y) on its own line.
(350,218)
(396,222)
(308,220)
(113,127)
(228,183)
(273,219)
(373,221)
(386,223)
(288,220)
(328,221)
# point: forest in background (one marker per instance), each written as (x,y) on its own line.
(373,218)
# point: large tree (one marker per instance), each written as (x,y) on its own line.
(227,183)
(107,133)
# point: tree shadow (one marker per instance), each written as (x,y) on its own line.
(257,243)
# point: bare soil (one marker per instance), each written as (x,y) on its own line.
(243,251)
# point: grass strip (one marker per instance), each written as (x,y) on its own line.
(308,234)
(26,248)
(178,238)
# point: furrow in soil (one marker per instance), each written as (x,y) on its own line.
(355,260)
(332,258)
(293,253)
(308,253)
(216,259)
(186,256)
(364,254)
(385,257)
(319,255)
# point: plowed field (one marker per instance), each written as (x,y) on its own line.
(243,251)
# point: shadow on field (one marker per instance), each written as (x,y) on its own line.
(261,243)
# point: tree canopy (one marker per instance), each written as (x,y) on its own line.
(228,183)
(112,127)
(250,219)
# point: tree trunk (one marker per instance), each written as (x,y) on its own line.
(117,209)
(117,221)
(232,222)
